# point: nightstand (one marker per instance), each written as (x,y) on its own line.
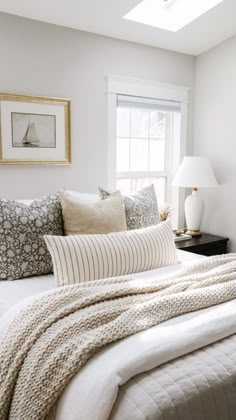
(206,245)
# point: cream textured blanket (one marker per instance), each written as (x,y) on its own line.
(52,338)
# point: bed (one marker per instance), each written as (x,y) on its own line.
(13,292)
(184,368)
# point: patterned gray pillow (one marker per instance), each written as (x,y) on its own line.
(141,209)
(23,251)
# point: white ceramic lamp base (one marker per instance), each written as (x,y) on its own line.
(194,206)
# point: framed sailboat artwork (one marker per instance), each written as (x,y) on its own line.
(34,130)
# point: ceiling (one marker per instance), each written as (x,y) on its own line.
(106,17)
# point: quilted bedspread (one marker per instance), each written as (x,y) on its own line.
(200,385)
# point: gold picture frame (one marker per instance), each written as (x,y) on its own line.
(34,130)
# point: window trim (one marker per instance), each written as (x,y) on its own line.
(147,89)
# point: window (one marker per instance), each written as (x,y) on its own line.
(145,129)
(147,138)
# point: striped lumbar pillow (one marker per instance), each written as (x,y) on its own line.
(80,258)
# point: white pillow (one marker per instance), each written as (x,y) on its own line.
(26,202)
(81,258)
(82,198)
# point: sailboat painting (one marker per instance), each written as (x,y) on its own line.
(33,130)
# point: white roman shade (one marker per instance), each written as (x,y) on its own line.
(125,101)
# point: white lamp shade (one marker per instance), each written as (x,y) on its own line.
(195,172)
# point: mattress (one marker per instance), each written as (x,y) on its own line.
(14,292)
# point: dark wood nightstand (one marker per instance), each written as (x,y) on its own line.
(206,245)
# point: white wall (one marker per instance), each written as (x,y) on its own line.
(215,134)
(42,59)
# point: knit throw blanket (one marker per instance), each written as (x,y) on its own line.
(52,338)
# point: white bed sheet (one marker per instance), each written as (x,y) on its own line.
(14,292)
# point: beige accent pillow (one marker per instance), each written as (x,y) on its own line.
(81,258)
(103,216)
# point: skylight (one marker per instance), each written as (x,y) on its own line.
(171,15)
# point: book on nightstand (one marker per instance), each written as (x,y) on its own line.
(182,237)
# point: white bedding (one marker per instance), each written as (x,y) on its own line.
(93,391)
(14,292)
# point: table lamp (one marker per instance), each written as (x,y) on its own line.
(194,172)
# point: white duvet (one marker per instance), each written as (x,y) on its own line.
(93,391)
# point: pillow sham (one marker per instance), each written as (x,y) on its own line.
(141,208)
(23,252)
(82,258)
(92,218)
